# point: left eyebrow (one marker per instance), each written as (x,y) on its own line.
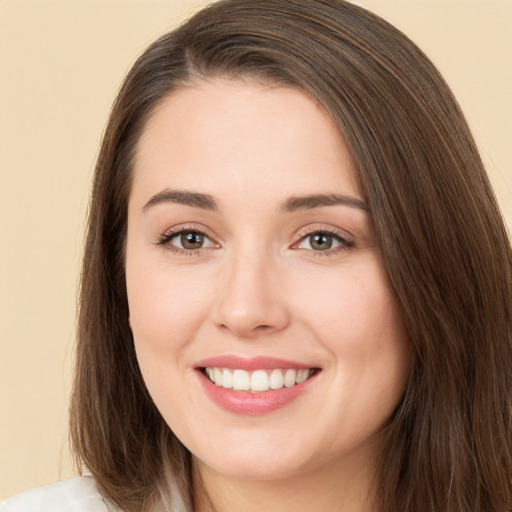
(294,204)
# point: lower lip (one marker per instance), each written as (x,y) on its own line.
(253,404)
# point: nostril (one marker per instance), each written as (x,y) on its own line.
(264,327)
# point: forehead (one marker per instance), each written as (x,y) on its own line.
(242,136)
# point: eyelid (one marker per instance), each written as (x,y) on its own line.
(327,229)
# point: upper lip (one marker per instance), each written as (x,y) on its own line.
(250,363)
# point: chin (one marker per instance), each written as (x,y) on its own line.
(260,461)
(259,469)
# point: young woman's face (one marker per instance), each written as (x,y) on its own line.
(251,260)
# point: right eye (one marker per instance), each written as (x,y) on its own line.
(187,240)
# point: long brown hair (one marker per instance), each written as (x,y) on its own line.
(438,227)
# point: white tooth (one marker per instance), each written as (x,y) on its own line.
(302,375)
(241,380)
(218,376)
(211,374)
(227,379)
(289,378)
(259,381)
(276,379)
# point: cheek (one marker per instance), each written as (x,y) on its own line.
(354,311)
(165,314)
(165,305)
(357,320)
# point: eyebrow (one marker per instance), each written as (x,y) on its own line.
(292,204)
(194,199)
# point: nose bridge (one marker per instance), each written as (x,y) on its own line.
(251,301)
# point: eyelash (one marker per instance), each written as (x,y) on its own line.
(345,243)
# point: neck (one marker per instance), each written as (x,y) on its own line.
(325,489)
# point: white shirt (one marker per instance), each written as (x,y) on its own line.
(73,495)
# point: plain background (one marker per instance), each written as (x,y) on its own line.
(61,63)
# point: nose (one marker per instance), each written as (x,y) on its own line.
(252,300)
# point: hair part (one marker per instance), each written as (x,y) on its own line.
(438,227)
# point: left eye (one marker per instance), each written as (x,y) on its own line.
(189,240)
(320,241)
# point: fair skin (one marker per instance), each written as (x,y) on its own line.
(222,262)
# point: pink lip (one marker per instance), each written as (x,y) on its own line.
(249,364)
(245,402)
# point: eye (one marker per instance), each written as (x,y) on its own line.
(322,241)
(187,240)
(190,240)
(318,242)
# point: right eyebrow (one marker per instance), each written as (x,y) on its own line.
(194,199)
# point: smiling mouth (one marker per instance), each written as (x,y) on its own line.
(257,381)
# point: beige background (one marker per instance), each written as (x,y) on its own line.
(61,63)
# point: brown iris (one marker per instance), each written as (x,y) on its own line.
(320,241)
(192,240)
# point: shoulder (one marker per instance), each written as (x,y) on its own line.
(73,495)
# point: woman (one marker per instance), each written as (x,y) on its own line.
(297,284)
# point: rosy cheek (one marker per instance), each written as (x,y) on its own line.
(165,307)
(354,311)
